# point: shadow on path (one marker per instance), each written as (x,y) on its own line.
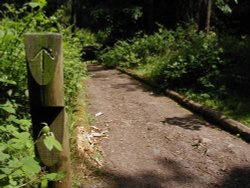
(174,175)
(96,68)
(238,177)
(131,84)
(190,122)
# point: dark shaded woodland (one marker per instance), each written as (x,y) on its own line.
(99,14)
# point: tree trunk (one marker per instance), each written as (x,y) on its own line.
(209,12)
(73,15)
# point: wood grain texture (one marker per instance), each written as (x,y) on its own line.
(44,55)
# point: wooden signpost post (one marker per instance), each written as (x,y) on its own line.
(45,78)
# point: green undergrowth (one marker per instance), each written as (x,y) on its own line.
(206,67)
(234,106)
(19,166)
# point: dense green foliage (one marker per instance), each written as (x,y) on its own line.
(203,66)
(18,165)
(170,56)
(74,69)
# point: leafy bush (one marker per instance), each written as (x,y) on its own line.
(133,52)
(18,165)
(12,55)
(197,56)
(85,37)
(120,55)
(17,162)
(182,57)
(75,70)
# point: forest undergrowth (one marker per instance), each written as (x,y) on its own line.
(18,165)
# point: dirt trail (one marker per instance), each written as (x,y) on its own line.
(154,143)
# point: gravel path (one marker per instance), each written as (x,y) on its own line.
(154,143)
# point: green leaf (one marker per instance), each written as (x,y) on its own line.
(48,143)
(17,173)
(33,4)
(16,143)
(37,3)
(7,81)
(2,147)
(2,176)
(25,122)
(11,129)
(57,144)
(3,156)
(30,166)
(12,118)
(51,176)
(6,171)
(23,136)
(15,163)
(44,183)
(8,108)
(55,176)
(51,142)
(12,182)
(60,175)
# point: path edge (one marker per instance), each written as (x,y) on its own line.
(79,134)
(230,125)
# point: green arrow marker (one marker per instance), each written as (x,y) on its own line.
(42,67)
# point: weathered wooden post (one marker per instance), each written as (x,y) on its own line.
(44,56)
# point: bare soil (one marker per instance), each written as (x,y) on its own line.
(152,142)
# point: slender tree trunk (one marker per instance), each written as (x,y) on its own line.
(73,15)
(209,12)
